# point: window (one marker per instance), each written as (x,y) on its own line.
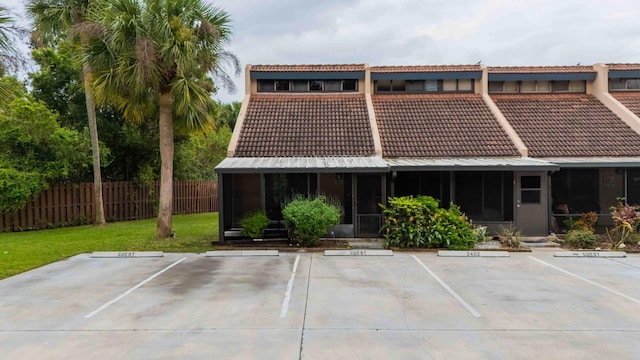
(496,86)
(282,85)
(415,85)
(398,85)
(265,85)
(561,86)
(431,86)
(511,87)
(535,86)
(624,84)
(449,85)
(383,85)
(530,189)
(315,85)
(577,188)
(485,196)
(332,85)
(577,86)
(300,85)
(350,85)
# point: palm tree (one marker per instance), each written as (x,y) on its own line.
(56,20)
(161,55)
(10,57)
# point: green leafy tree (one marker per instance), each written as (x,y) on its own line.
(60,20)
(198,155)
(37,151)
(161,54)
(227,114)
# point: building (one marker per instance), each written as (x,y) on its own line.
(523,145)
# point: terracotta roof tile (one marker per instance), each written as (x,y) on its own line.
(571,125)
(304,68)
(439,125)
(539,69)
(631,100)
(306,125)
(623,66)
(425,68)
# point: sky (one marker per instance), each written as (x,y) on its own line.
(430,32)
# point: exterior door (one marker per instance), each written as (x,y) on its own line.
(531,203)
(368,212)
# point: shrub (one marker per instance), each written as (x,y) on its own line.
(253,225)
(580,239)
(308,219)
(626,221)
(510,237)
(420,222)
(586,222)
(406,220)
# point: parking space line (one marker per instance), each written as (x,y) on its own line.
(287,294)
(106,305)
(446,287)
(585,280)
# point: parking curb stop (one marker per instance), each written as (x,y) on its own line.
(127,254)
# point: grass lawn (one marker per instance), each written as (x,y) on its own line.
(22,251)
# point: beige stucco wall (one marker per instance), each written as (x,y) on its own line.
(600,89)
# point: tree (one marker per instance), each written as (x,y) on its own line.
(161,54)
(11,57)
(228,114)
(36,149)
(57,20)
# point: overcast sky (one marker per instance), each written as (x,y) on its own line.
(429,32)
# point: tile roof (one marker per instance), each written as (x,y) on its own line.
(567,125)
(439,125)
(631,100)
(425,68)
(279,125)
(305,68)
(539,69)
(623,66)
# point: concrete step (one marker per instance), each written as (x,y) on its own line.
(367,244)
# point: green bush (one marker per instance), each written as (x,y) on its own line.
(580,239)
(253,225)
(419,222)
(308,219)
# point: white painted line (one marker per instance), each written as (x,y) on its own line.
(287,294)
(235,253)
(472,253)
(96,311)
(591,254)
(453,293)
(362,252)
(586,280)
(126,254)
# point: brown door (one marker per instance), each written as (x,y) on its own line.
(531,203)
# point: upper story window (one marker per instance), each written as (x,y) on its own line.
(349,85)
(558,86)
(423,86)
(624,84)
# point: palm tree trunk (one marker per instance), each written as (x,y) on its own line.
(166,172)
(95,147)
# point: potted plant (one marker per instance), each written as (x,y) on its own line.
(253,225)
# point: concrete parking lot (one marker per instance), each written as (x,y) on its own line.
(311,306)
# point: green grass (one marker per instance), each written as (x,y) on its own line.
(22,251)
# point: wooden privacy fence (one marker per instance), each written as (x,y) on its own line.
(73,204)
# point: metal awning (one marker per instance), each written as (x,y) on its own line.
(595,162)
(470,164)
(328,164)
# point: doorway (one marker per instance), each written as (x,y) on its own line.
(531,203)
(369,193)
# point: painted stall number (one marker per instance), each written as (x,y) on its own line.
(473,253)
(126,254)
(358,253)
(591,253)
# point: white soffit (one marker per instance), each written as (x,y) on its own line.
(505,163)
(355,164)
